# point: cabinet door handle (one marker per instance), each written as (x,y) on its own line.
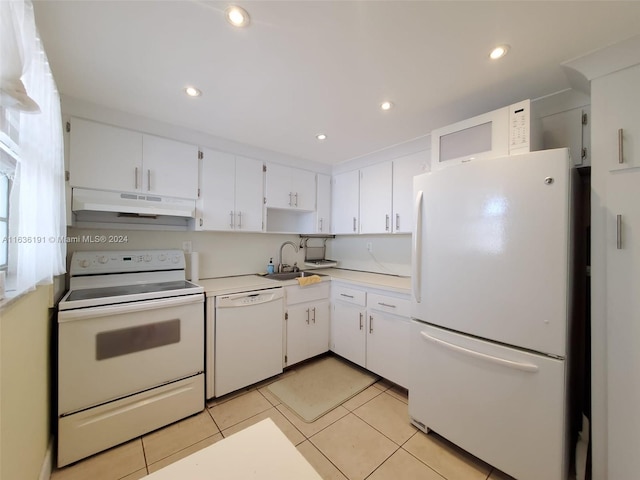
(361,321)
(354,224)
(307,316)
(320,225)
(296,196)
(620,148)
(386,222)
(290,201)
(135,177)
(345,295)
(370,323)
(386,305)
(397,221)
(231,218)
(148,180)
(619,232)
(314,315)
(239,219)
(201,222)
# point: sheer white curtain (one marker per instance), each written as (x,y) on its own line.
(37,217)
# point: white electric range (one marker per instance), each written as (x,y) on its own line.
(130,349)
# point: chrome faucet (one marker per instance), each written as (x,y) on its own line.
(283,267)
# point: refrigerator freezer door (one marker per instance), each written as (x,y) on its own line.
(502,405)
(491,249)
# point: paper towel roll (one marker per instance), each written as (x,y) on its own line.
(195,267)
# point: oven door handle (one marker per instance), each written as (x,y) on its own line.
(118,309)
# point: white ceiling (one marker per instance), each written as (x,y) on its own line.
(305,67)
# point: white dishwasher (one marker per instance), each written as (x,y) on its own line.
(248,338)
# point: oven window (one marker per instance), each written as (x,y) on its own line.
(116,343)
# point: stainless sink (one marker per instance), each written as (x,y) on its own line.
(291,275)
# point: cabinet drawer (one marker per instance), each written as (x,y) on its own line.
(297,294)
(349,295)
(388,304)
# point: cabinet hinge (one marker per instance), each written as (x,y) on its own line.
(66,175)
(68,127)
(200,155)
(585,119)
(286,315)
(584,153)
(285,359)
(264,168)
(198,193)
(264,200)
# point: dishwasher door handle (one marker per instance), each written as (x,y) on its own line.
(249,299)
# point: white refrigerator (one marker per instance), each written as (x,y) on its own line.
(491,308)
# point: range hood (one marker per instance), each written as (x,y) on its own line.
(142,205)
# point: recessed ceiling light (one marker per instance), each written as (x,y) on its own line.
(192,91)
(499,52)
(386,106)
(237,16)
(321,136)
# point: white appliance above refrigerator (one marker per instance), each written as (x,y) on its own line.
(491,308)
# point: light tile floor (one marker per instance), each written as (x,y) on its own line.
(367,437)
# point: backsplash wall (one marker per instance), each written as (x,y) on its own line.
(221,254)
(390,254)
(225,254)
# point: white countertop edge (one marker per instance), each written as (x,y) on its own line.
(245,283)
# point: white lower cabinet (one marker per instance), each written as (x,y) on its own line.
(348,333)
(388,334)
(307,322)
(371,328)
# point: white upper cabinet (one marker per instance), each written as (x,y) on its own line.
(376,198)
(344,203)
(110,158)
(231,193)
(104,157)
(290,188)
(169,168)
(404,169)
(323,204)
(616,104)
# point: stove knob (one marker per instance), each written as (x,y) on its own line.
(162,257)
(175,259)
(103,259)
(147,258)
(84,263)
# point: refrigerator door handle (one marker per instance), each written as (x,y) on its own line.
(526,367)
(417,249)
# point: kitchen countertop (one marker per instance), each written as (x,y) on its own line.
(260,451)
(244,283)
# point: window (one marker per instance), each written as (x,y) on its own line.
(32,207)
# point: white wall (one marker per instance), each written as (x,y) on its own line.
(25,385)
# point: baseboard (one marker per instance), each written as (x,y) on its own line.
(47,463)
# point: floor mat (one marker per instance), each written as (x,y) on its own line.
(317,389)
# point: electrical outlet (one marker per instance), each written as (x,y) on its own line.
(186,246)
(369,247)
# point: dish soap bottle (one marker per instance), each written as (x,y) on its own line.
(270,267)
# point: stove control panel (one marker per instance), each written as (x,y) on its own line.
(91,263)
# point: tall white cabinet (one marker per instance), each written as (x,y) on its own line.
(616,143)
(615,257)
